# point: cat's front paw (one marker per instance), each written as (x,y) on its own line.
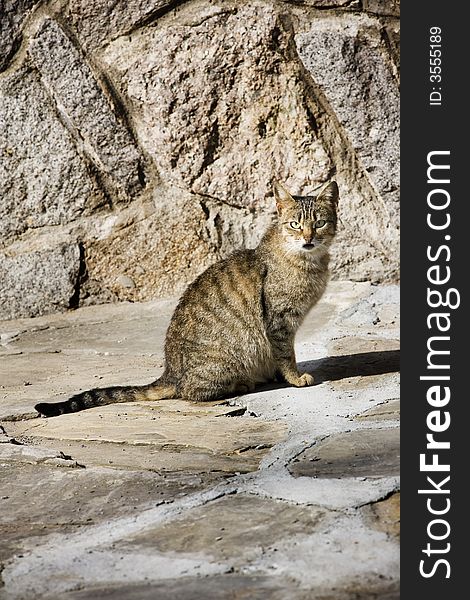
(305,380)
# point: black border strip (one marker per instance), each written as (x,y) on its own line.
(433,124)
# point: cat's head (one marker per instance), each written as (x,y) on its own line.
(307,222)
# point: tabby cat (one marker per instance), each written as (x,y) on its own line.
(235,324)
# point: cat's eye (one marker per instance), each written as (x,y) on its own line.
(320,223)
(295,225)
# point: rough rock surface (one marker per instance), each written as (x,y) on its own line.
(45,180)
(149,134)
(174,499)
(219,106)
(332,456)
(338,54)
(37,282)
(13,13)
(100,21)
(83,104)
(389,8)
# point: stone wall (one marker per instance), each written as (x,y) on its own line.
(139,139)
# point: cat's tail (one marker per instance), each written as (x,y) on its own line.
(158,390)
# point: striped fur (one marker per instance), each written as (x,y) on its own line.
(234,326)
(103,396)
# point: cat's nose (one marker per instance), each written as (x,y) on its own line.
(308,237)
(308,233)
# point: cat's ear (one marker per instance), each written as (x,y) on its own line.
(329,193)
(282,196)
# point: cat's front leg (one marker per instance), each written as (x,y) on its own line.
(294,377)
(287,366)
(282,344)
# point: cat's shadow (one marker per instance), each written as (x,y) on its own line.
(334,368)
(363,364)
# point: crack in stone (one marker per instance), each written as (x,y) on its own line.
(380,498)
(258,447)
(149,19)
(355,5)
(219,200)
(236,412)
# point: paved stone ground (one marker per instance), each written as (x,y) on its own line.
(280,494)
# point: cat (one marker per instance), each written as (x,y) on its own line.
(234,326)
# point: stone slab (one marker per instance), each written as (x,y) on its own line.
(53,357)
(44,178)
(38,500)
(232,587)
(217,587)
(50,275)
(165,435)
(88,111)
(14,13)
(389,410)
(384,515)
(236,527)
(361,453)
